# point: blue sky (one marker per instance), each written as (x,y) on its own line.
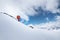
(42,16)
(33,12)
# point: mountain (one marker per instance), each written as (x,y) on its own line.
(11,29)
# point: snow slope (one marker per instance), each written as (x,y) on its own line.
(10,29)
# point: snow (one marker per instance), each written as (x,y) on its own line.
(11,29)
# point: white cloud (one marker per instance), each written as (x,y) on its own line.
(52,5)
(25,7)
(13,10)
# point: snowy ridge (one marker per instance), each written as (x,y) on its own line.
(10,29)
(6,21)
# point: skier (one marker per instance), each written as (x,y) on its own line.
(18,17)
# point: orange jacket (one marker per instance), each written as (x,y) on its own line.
(18,17)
